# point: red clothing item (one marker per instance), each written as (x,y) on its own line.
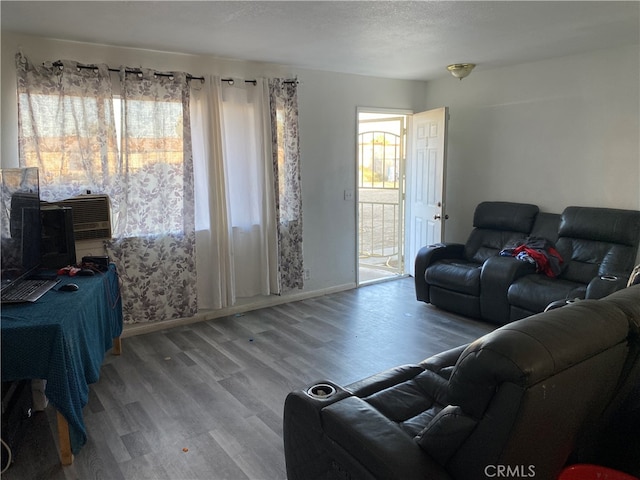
(541,257)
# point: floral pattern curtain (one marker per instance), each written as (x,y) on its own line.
(153,199)
(283,98)
(66,127)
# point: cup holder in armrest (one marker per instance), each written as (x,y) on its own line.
(321,394)
(321,390)
(609,278)
(561,303)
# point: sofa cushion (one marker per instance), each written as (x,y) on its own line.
(587,259)
(447,431)
(546,226)
(496,224)
(455,274)
(601,224)
(414,403)
(516,217)
(354,428)
(483,244)
(534,292)
(597,241)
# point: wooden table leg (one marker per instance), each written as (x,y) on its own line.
(117,346)
(66,457)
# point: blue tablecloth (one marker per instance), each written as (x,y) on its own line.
(63,338)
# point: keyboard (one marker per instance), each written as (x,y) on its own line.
(27,290)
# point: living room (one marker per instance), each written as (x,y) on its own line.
(553,132)
(557,130)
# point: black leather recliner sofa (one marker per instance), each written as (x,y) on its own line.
(528,397)
(448,274)
(598,247)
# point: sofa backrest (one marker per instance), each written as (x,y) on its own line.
(495,225)
(597,241)
(510,390)
(546,226)
(625,403)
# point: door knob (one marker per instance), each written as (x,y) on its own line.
(438,217)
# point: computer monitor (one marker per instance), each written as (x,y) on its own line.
(20,223)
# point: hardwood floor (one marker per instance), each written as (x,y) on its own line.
(204,401)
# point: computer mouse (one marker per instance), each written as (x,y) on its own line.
(69,287)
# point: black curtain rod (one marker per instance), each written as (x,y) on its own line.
(131,70)
(230,81)
(165,74)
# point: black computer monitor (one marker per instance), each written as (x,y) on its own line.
(20,223)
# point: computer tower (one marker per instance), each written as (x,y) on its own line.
(58,242)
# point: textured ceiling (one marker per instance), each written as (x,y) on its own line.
(394,39)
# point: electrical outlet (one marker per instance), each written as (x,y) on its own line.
(348,195)
(307,274)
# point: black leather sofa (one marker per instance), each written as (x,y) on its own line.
(530,397)
(598,247)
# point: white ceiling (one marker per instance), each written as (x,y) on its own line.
(394,39)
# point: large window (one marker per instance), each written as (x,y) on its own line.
(129,136)
(136,148)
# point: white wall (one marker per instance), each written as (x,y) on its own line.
(328,143)
(327,104)
(554,133)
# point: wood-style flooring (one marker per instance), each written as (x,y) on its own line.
(204,401)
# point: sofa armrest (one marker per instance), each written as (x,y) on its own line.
(383,380)
(444,362)
(364,439)
(305,455)
(427,256)
(496,276)
(604,285)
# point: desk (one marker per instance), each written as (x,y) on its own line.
(63,338)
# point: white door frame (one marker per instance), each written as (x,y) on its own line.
(390,112)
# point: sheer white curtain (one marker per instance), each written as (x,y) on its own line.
(213,236)
(237,236)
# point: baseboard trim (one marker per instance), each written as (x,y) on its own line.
(131,330)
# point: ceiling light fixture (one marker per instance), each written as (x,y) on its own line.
(461,70)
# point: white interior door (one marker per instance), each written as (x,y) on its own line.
(425,182)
